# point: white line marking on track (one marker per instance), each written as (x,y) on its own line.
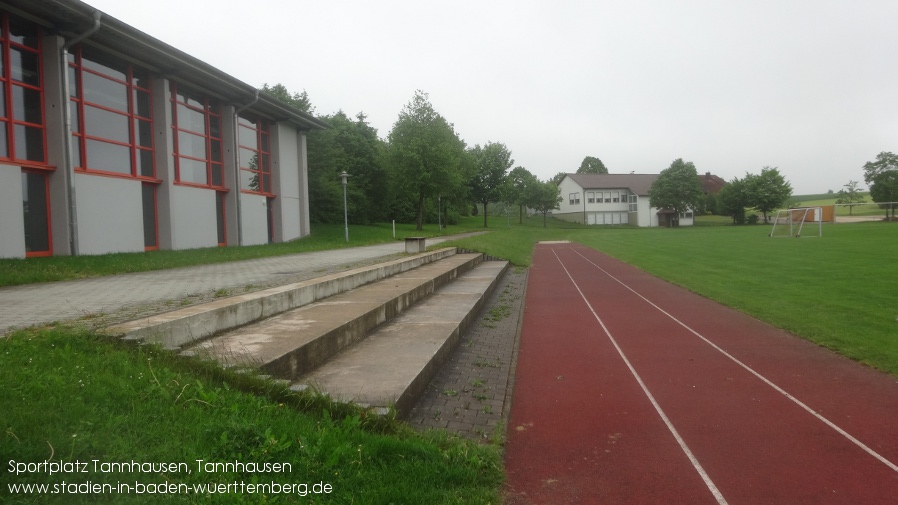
(695,463)
(767,381)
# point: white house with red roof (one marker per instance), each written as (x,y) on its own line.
(614,199)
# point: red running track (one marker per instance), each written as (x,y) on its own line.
(631,390)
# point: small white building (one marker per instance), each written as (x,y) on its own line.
(113,141)
(613,199)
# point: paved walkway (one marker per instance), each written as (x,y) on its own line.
(121,297)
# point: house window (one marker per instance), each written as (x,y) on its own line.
(633,204)
(615,197)
(36,211)
(22,125)
(112,122)
(590,197)
(220,218)
(196,122)
(255,155)
(608,197)
(575,198)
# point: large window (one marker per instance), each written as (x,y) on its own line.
(111,115)
(22,129)
(255,155)
(36,211)
(197,138)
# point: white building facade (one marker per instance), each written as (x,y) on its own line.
(612,199)
(112,141)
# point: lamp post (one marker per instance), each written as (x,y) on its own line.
(345,176)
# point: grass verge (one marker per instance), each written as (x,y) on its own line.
(73,396)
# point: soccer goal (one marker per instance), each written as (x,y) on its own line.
(794,222)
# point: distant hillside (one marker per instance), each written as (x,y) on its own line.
(823,199)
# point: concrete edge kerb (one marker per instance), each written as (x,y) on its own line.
(179,327)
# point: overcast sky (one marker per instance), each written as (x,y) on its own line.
(808,86)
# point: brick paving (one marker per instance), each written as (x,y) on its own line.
(471,394)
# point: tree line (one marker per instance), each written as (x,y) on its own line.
(422,168)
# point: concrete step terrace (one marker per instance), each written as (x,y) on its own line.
(394,363)
(294,342)
(180,327)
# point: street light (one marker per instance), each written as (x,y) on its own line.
(345,176)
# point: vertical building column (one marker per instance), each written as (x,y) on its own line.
(61,179)
(280,184)
(231,175)
(302,152)
(163,147)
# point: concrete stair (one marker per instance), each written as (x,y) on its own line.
(183,326)
(393,365)
(375,336)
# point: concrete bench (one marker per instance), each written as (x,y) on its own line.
(415,245)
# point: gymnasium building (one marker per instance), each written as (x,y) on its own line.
(113,141)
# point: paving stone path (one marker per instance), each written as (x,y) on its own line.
(470,396)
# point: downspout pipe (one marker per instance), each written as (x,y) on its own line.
(237,112)
(66,111)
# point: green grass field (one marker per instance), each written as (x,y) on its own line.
(837,290)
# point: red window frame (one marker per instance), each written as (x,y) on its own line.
(257,177)
(132,115)
(9,84)
(210,109)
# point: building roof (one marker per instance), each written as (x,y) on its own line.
(71,18)
(711,183)
(635,183)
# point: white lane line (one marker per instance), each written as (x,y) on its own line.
(767,381)
(692,459)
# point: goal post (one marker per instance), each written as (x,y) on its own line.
(794,222)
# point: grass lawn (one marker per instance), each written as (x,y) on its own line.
(71,396)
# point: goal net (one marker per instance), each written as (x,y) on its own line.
(795,222)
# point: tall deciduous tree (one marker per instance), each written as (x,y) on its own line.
(882,177)
(425,154)
(677,188)
(352,146)
(592,165)
(299,100)
(491,163)
(767,191)
(516,189)
(543,197)
(850,195)
(885,162)
(884,191)
(733,200)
